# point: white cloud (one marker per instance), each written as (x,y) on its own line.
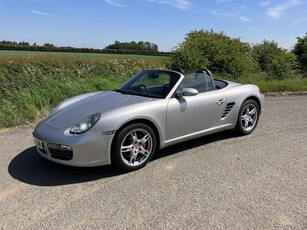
(41,13)
(264,3)
(231,12)
(114,3)
(245,19)
(238,8)
(179,4)
(277,10)
(222,13)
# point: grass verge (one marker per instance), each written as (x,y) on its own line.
(32,85)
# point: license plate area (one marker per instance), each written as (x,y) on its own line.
(38,142)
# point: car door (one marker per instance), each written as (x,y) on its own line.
(191,114)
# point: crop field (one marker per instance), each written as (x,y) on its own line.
(33,83)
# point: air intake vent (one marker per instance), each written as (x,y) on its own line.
(229,106)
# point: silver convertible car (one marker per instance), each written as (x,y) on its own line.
(152,110)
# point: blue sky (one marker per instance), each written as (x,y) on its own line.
(98,23)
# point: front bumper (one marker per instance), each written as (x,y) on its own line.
(87,149)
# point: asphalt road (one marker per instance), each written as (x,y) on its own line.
(217,182)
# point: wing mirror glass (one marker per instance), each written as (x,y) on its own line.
(187,92)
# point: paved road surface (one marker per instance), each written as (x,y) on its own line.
(217,182)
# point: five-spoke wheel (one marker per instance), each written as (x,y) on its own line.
(134,146)
(248,117)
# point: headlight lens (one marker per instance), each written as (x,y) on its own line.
(85,124)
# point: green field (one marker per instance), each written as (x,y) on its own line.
(32,83)
(37,54)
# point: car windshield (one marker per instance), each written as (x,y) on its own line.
(151,83)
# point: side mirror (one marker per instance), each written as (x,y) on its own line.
(187,92)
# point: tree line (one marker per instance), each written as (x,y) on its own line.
(140,46)
(144,48)
(232,58)
(227,57)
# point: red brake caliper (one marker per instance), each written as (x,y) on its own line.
(144,145)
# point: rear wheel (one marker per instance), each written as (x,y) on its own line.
(134,146)
(248,117)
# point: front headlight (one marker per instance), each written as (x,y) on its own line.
(85,124)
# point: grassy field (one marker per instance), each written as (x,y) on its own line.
(32,54)
(32,83)
(290,84)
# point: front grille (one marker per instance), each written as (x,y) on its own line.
(228,108)
(43,151)
(61,154)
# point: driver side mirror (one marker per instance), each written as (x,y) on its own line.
(187,92)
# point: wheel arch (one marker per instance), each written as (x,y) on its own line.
(143,121)
(256,99)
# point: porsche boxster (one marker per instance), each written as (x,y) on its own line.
(152,110)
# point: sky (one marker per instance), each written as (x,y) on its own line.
(98,23)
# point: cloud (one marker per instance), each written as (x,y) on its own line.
(244,19)
(179,4)
(265,3)
(114,3)
(221,13)
(238,8)
(231,12)
(41,13)
(277,10)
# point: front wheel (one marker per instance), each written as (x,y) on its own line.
(134,146)
(248,117)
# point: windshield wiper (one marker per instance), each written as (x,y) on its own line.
(128,92)
(120,91)
(136,93)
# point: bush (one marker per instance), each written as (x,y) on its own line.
(225,56)
(278,63)
(300,50)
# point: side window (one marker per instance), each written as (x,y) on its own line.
(164,79)
(199,80)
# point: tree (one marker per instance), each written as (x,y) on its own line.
(24,43)
(278,63)
(300,50)
(228,57)
(133,46)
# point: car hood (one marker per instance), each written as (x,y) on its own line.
(99,103)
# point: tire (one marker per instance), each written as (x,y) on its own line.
(248,117)
(133,147)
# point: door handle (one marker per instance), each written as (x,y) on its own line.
(221,101)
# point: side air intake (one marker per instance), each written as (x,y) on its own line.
(228,108)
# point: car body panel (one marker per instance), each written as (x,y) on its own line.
(193,114)
(89,149)
(99,103)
